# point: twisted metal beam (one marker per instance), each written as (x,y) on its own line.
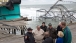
(52,7)
(64,14)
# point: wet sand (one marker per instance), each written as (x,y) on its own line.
(73,30)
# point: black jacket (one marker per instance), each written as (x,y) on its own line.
(48,40)
(43,28)
(52,32)
(30,38)
(59,29)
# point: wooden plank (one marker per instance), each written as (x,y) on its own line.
(4,0)
(9,38)
(1,0)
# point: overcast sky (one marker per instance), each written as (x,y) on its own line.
(34,2)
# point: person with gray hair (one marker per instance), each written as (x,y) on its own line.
(48,38)
(38,34)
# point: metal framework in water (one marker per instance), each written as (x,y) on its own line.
(63,14)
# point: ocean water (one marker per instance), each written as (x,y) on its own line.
(30,11)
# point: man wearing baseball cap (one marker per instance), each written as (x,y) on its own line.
(29,38)
(52,32)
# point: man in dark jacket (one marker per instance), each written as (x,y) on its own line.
(29,38)
(43,26)
(48,38)
(59,28)
(52,32)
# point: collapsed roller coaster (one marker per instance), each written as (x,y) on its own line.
(57,11)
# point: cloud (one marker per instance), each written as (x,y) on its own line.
(29,2)
(70,0)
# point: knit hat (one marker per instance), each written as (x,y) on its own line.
(49,24)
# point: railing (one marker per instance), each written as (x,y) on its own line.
(13,28)
(3,2)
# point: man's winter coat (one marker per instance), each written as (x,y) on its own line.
(30,38)
(52,32)
(48,40)
(59,28)
(67,35)
(43,28)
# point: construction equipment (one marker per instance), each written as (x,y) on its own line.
(10,18)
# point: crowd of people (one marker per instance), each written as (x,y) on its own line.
(47,34)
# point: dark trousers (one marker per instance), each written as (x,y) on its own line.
(53,40)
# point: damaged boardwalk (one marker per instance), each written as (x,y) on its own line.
(9,38)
